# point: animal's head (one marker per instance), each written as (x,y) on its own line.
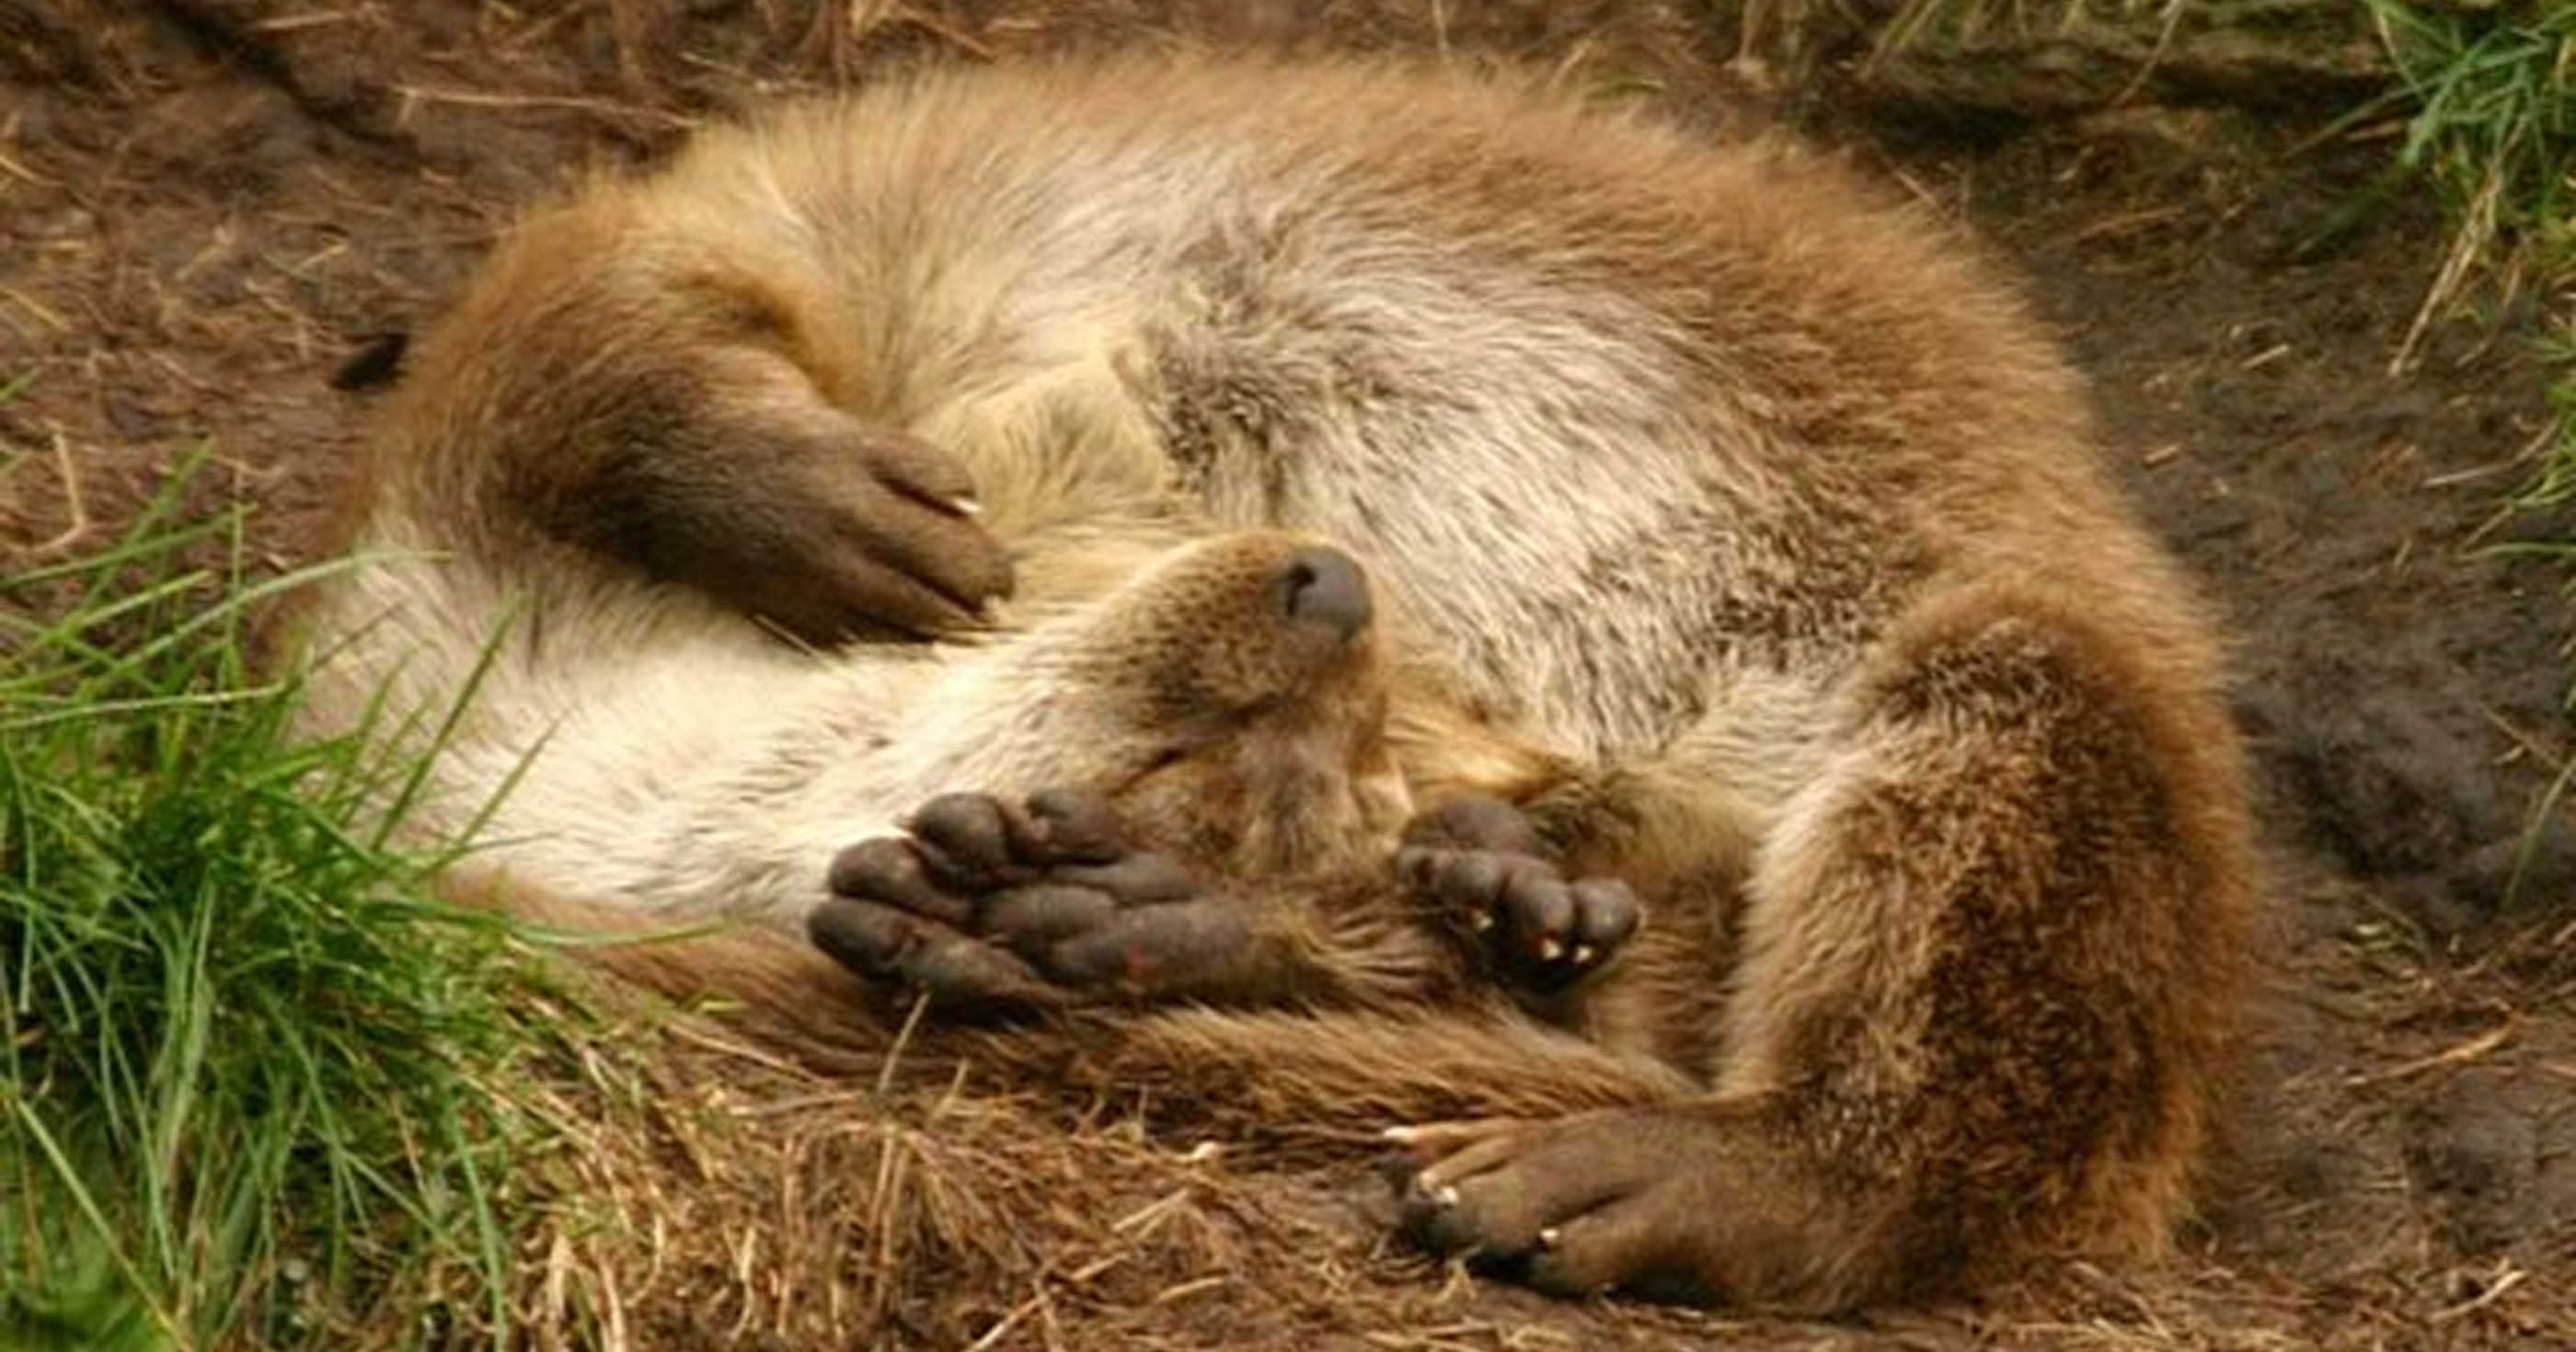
(1229,698)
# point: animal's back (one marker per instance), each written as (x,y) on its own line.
(1606,410)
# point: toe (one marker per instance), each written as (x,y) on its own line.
(967,840)
(1606,914)
(1626,1244)
(1464,882)
(1169,950)
(1492,1198)
(1033,917)
(1141,879)
(866,938)
(1428,1142)
(1066,827)
(890,872)
(952,969)
(1538,911)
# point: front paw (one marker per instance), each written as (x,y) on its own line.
(998,905)
(1479,862)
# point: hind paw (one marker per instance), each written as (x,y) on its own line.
(999,905)
(1479,862)
(1604,1201)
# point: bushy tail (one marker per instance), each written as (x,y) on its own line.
(1291,1077)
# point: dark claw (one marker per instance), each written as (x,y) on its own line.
(1433,1221)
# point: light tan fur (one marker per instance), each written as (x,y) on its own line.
(1733,522)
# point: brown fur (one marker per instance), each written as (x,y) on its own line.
(1733,523)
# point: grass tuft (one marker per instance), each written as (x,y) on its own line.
(2489,92)
(248,1068)
(2492,94)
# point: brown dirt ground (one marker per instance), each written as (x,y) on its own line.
(207,205)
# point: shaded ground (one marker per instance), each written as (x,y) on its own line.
(207,205)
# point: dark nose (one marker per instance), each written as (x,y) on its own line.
(1325,587)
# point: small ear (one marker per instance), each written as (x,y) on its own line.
(375,365)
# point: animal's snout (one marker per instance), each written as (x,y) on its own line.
(1325,588)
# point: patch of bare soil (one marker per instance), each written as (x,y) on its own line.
(207,206)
